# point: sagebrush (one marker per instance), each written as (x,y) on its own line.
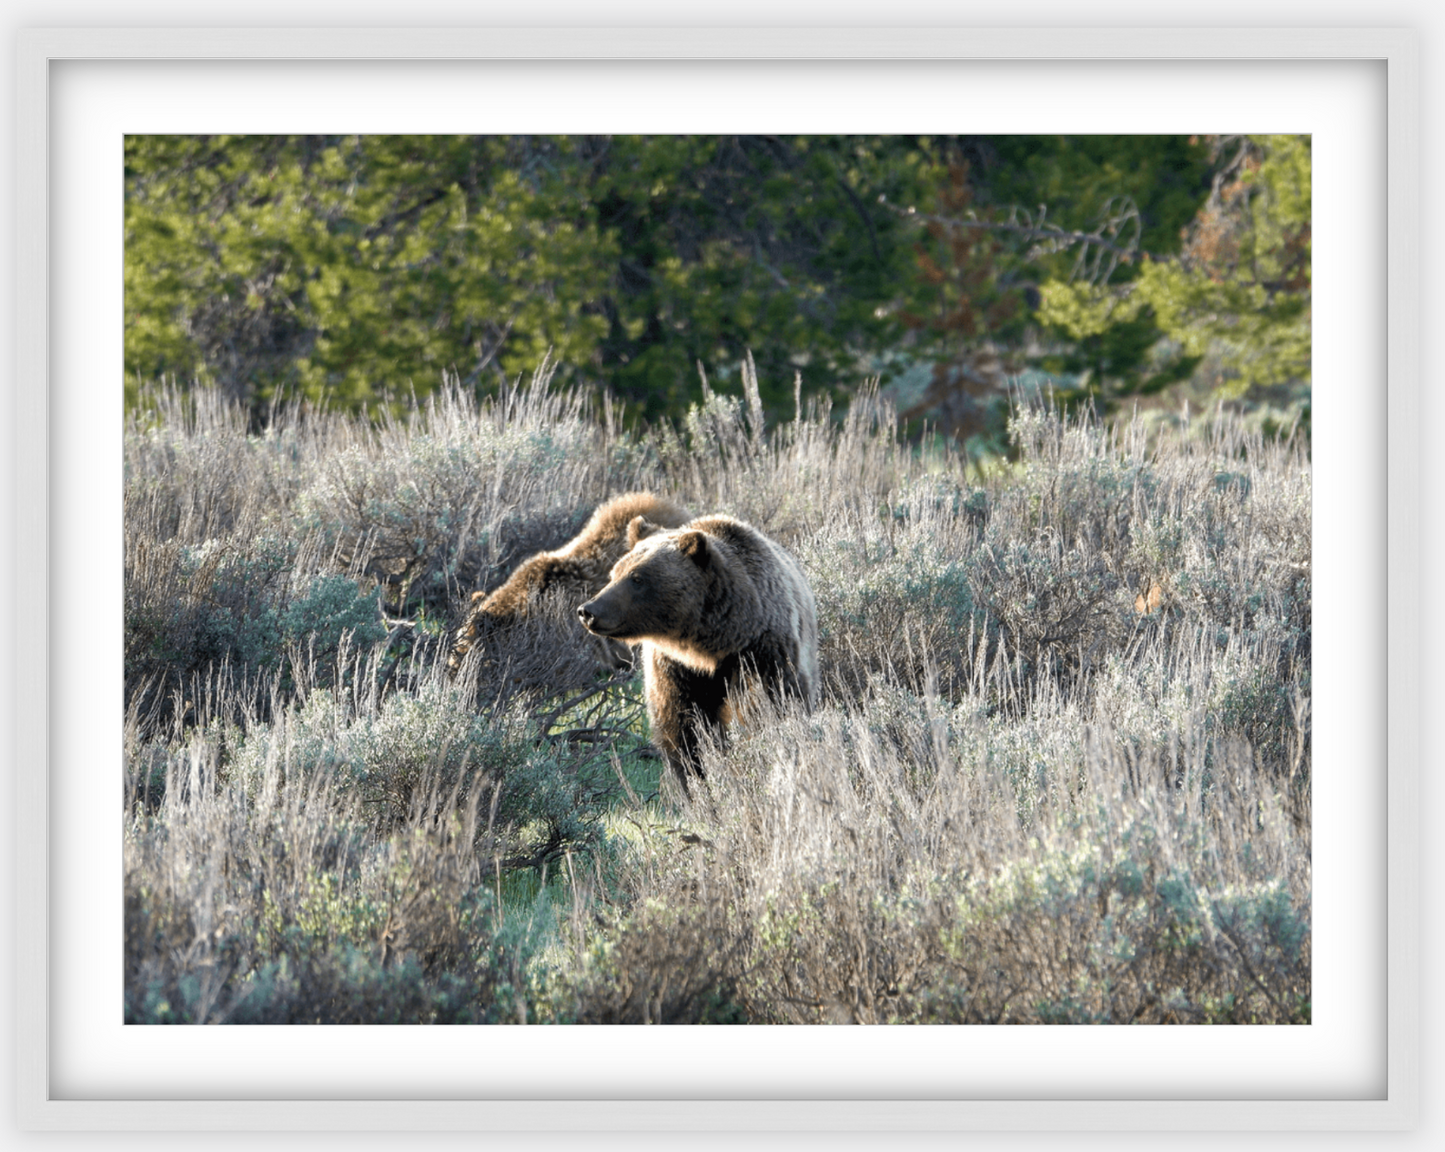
(1060,772)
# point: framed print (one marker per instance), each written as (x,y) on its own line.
(83,92)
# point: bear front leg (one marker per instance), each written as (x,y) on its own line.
(681,702)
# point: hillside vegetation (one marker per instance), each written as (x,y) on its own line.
(1061,771)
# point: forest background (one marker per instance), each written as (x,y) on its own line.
(361,271)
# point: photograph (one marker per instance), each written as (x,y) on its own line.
(717,579)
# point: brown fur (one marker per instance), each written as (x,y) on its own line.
(713,604)
(579,568)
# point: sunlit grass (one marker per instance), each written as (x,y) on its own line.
(1024,797)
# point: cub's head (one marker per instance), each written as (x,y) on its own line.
(639,528)
(546,587)
(657,589)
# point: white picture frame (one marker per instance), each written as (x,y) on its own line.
(39,51)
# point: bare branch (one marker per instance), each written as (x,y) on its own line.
(1113,241)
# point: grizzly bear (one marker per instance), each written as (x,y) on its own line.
(578,570)
(714,605)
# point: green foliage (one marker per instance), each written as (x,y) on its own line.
(330,611)
(774,245)
(1239,293)
(355,268)
(1077,177)
(1015,213)
(359,269)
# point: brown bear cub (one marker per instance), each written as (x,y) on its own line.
(713,604)
(578,569)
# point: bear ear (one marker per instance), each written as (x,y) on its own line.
(639,528)
(694,545)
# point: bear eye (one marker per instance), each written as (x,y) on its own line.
(636,579)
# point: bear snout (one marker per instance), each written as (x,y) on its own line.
(596,618)
(605,614)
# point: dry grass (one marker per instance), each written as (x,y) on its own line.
(1022,799)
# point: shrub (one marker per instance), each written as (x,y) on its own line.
(1061,771)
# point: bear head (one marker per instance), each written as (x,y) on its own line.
(498,621)
(657,589)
